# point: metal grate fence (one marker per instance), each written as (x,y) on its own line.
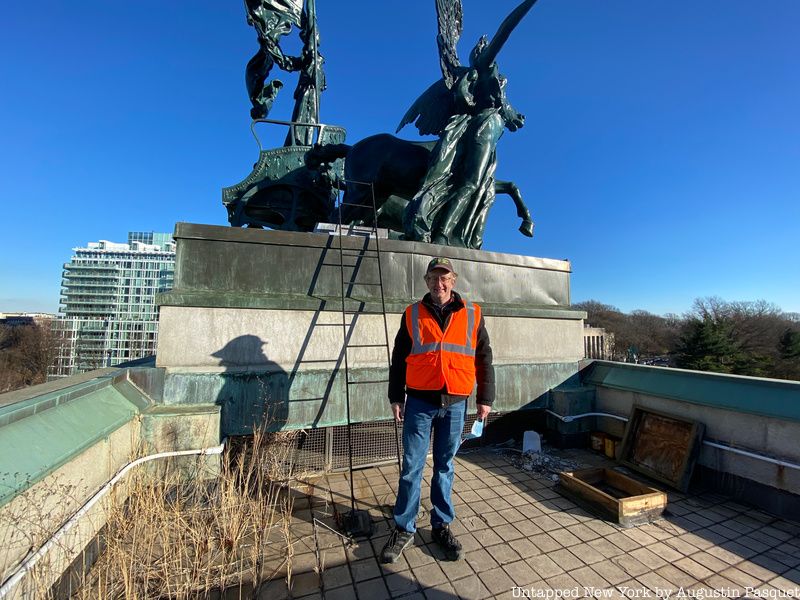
(325,449)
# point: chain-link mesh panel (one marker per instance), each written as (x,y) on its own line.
(309,453)
(373,443)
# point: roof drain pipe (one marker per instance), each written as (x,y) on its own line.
(31,561)
(570,418)
(769,459)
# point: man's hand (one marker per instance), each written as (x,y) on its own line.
(482,412)
(398,409)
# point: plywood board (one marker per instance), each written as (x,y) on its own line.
(661,446)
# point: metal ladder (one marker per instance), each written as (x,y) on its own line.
(348,284)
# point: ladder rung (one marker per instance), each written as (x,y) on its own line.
(361,283)
(368,381)
(359,254)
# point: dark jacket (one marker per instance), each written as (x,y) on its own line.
(402,348)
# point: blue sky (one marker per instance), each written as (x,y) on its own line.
(661,152)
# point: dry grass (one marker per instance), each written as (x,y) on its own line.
(174,536)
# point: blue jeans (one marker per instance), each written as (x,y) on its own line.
(447,424)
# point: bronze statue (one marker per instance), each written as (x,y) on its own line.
(468,110)
(272,19)
(393,169)
(281,192)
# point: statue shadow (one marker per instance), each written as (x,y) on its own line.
(255,389)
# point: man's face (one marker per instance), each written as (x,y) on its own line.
(440,284)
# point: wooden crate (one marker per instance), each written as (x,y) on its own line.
(614,495)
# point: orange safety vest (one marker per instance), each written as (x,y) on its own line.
(442,359)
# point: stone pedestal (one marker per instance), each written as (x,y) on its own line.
(255,323)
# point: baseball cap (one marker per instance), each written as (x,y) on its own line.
(440,263)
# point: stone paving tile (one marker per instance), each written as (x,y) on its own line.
(512,515)
(693,568)
(742,578)
(648,558)
(589,578)
(487,537)
(719,582)
(610,572)
(417,557)
(776,533)
(564,519)
(665,551)
(508,532)
(675,576)
(768,562)
(709,561)
(561,582)
(583,532)
(566,559)
(544,567)
(524,547)
(470,588)
(754,544)
(741,551)
(698,519)
(508,553)
(480,560)
(564,537)
(522,573)
(336,577)
(494,519)
(724,531)
(374,589)
(304,584)
(587,554)
(527,528)
(497,581)
(789,581)
(400,584)
(630,565)
(788,554)
(656,583)
(792,527)
(468,542)
(622,541)
(545,523)
(455,569)
(429,575)
(545,543)
(639,536)
(606,548)
(365,569)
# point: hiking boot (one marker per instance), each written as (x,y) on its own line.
(398,541)
(447,542)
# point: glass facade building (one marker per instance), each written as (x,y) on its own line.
(108,313)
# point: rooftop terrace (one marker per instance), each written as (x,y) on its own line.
(523,539)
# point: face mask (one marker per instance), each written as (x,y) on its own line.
(475,432)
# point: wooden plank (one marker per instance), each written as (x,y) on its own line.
(637,503)
(626,484)
(661,446)
(585,490)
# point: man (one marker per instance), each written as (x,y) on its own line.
(441,350)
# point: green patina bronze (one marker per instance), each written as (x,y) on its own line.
(281,192)
(439,191)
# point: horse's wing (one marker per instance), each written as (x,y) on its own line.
(449,14)
(431,110)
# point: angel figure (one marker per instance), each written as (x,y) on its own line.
(469,111)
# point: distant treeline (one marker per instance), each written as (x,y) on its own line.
(25,353)
(743,338)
